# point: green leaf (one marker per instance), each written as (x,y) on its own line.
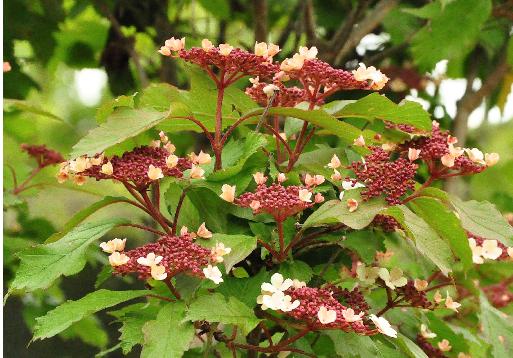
(43,264)
(443,330)
(170,335)
(122,124)
(241,245)
(446,224)
(442,37)
(296,270)
(215,308)
(84,214)
(108,107)
(89,330)
(70,312)
(219,8)
(28,107)
(496,325)
(483,219)
(378,106)
(427,241)
(336,211)
(410,348)
(245,289)
(352,345)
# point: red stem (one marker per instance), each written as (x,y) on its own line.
(177,211)
(31,176)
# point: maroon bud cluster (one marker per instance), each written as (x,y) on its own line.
(354,299)
(316,73)
(312,299)
(402,127)
(238,61)
(285,97)
(479,242)
(277,200)
(133,166)
(180,255)
(430,350)
(499,294)
(386,223)
(414,297)
(383,176)
(43,156)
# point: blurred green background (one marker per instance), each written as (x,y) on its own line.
(69,58)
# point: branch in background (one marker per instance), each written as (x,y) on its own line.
(311,37)
(260,20)
(143,78)
(292,19)
(343,32)
(364,27)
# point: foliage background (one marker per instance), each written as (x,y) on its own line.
(71,57)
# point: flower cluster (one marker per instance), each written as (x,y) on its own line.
(487,249)
(43,156)
(384,176)
(231,61)
(386,223)
(352,298)
(277,200)
(414,294)
(167,257)
(260,92)
(318,307)
(499,294)
(445,159)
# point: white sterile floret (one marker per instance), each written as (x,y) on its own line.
(491,250)
(326,316)
(383,326)
(277,284)
(350,316)
(219,251)
(113,245)
(150,260)
(213,273)
(228,193)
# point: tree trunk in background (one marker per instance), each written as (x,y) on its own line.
(260,20)
(164,31)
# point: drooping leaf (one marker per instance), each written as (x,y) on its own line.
(427,241)
(352,345)
(336,211)
(169,335)
(446,224)
(409,347)
(124,123)
(43,264)
(216,308)
(378,106)
(89,330)
(70,312)
(483,219)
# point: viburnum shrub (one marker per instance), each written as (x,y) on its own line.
(279,243)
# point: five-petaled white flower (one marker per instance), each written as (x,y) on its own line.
(277,284)
(305,195)
(491,250)
(350,316)
(175,44)
(308,53)
(364,73)
(118,259)
(154,173)
(203,232)
(150,260)
(213,273)
(171,161)
(326,316)
(394,278)
(228,193)
(475,155)
(113,245)
(225,49)
(383,326)
(158,272)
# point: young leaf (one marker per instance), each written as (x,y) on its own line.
(168,336)
(483,219)
(446,224)
(427,241)
(123,124)
(60,318)
(296,270)
(215,308)
(380,107)
(336,211)
(43,264)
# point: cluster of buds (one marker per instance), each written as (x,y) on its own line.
(499,294)
(277,200)
(488,249)
(167,257)
(386,223)
(140,166)
(318,308)
(428,348)
(43,156)
(261,92)
(233,62)
(384,176)
(353,298)
(414,293)
(444,159)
